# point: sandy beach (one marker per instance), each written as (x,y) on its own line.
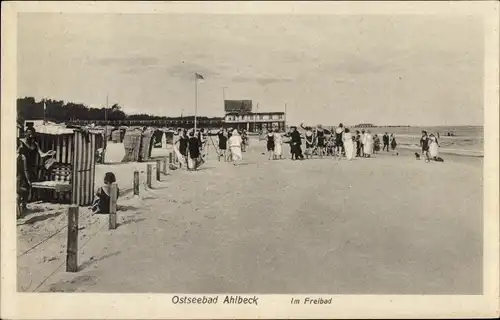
(390,224)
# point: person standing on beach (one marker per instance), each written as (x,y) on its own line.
(394,144)
(339,143)
(235,146)
(349,145)
(424,144)
(183,144)
(357,139)
(376,144)
(27,168)
(368,145)
(278,145)
(194,147)
(385,139)
(433,147)
(202,139)
(243,140)
(296,142)
(270,144)
(309,135)
(362,140)
(320,140)
(222,136)
(288,136)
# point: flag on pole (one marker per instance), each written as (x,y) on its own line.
(199,76)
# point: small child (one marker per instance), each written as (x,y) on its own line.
(102,201)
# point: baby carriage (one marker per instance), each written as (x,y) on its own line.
(330,147)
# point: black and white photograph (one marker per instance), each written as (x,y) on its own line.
(222,154)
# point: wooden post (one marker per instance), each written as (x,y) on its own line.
(148,176)
(72,247)
(165,166)
(158,170)
(136,183)
(112,205)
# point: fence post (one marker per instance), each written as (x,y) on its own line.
(136,183)
(148,176)
(72,247)
(158,170)
(112,205)
(165,166)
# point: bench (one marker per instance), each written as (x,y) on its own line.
(57,179)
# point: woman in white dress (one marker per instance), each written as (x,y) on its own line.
(433,147)
(278,145)
(164,140)
(235,146)
(348,145)
(368,144)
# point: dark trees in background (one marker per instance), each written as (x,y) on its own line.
(59,111)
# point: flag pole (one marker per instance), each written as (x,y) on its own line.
(195,100)
(106,117)
(285,116)
(105,144)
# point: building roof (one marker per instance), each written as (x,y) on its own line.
(253,113)
(53,129)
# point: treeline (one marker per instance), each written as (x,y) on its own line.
(60,111)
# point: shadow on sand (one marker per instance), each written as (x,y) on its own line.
(92,260)
(41,218)
(126,208)
(204,168)
(130,221)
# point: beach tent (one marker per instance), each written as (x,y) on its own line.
(99,133)
(132,144)
(146,144)
(158,137)
(73,175)
(116,136)
(99,137)
(169,135)
(108,130)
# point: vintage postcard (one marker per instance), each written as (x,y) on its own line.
(250,160)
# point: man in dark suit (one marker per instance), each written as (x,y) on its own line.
(386,141)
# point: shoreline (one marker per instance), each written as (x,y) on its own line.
(449,151)
(457,152)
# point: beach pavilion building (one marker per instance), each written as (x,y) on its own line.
(238,114)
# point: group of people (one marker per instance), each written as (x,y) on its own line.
(389,141)
(430,147)
(232,144)
(191,145)
(340,143)
(274,145)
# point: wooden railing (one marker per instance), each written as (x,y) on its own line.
(153,123)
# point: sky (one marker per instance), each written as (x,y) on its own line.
(381,69)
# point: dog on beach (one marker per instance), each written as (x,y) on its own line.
(417,156)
